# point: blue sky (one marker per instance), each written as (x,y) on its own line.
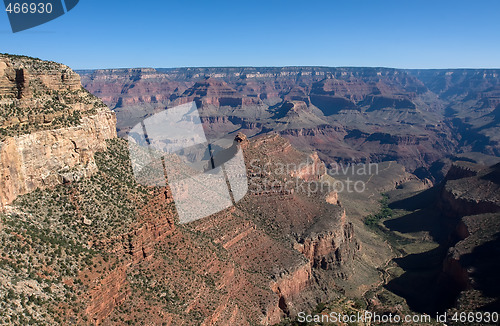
(402,34)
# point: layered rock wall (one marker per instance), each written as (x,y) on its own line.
(48,158)
(50,127)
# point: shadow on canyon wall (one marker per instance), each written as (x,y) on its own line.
(423,284)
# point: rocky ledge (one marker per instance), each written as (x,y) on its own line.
(50,127)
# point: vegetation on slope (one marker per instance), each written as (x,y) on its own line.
(385,212)
(46,254)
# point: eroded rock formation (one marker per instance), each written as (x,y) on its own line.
(50,127)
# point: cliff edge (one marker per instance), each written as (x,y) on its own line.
(50,126)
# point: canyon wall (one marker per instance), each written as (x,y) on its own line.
(48,158)
(50,127)
(470,189)
(414,117)
(470,200)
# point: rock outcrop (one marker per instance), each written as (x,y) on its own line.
(290,285)
(47,158)
(329,244)
(50,127)
(470,189)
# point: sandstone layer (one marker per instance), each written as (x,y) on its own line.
(50,127)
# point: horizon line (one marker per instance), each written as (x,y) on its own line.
(281,67)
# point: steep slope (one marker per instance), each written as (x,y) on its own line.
(129,258)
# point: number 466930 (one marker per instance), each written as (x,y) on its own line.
(29,8)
